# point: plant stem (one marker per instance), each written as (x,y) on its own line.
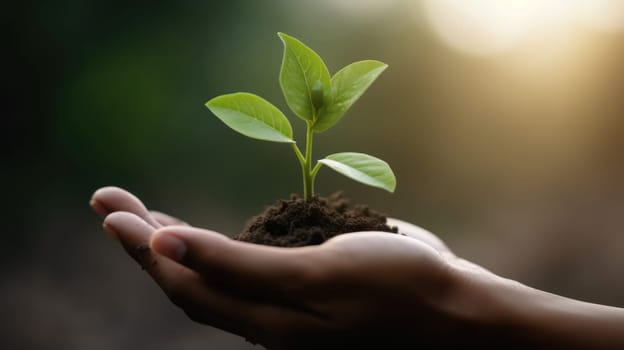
(308,179)
(307,172)
(315,171)
(302,162)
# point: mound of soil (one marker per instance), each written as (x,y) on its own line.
(297,222)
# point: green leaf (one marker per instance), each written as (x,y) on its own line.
(302,69)
(363,168)
(252,116)
(346,87)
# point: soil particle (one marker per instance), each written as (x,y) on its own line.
(142,249)
(297,222)
(142,254)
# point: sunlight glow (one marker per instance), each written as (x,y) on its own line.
(606,15)
(490,27)
(360,8)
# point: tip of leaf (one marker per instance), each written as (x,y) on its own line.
(382,65)
(215,99)
(391,186)
(288,38)
(283,36)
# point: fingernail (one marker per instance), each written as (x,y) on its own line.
(109,229)
(170,246)
(98,208)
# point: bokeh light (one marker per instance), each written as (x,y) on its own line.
(491,27)
(359,8)
(606,15)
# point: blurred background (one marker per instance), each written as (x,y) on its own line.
(503,120)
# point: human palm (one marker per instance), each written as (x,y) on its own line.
(364,289)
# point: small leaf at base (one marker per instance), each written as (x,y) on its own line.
(363,168)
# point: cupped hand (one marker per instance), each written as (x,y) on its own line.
(367,289)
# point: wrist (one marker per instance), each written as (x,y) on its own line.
(486,309)
(498,311)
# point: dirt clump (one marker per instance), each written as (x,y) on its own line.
(297,222)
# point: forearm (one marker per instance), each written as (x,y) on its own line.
(557,322)
(515,314)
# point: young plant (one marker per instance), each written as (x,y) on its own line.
(321,101)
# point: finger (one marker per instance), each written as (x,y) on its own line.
(421,234)
(187,289)
(107,200)
(266,272)
(166,220)
(134,234)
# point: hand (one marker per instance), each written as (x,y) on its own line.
(365,290)
(359,284)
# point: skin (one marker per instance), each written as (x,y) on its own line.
(371,290)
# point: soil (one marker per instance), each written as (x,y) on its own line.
(297,222)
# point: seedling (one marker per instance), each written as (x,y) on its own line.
(321,101)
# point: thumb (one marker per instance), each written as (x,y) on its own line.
(238,265)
